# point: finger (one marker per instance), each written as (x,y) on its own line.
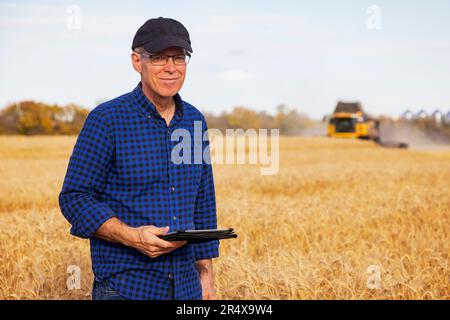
(168,249)
(154,239)
(162,244)
(164,230)
(148,253)
(158,231)
(175,244)
(155,253)
(158,253)
(179,243)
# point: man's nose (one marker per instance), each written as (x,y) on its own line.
(170,65)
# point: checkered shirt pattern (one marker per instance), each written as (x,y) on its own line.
(121,167)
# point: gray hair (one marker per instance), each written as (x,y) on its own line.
(139,50)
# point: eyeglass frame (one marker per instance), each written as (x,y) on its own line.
(149,55)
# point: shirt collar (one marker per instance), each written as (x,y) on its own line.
(149,109)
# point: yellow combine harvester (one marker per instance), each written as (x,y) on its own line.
(350,121)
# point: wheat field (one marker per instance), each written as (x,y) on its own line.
(336,209)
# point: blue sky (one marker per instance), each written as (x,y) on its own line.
(258,54)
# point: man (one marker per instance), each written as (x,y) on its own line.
(122,189)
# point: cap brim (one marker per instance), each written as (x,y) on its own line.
(167,42)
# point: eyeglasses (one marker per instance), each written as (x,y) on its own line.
(161,60)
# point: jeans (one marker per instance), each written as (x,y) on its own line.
(102,291)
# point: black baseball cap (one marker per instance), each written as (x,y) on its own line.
(161,33)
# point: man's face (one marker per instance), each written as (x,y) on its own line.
(165,80)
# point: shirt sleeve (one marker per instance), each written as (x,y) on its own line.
(205,216)
(85,178)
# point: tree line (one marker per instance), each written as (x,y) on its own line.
(31,118)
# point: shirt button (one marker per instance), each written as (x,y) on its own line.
(172,188)
(174,218)
(170,275)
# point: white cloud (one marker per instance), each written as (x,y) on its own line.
(236,75)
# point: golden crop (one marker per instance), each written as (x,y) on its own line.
(336,208)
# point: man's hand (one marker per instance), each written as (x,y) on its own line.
(205,270)
(145,238)
(148,242)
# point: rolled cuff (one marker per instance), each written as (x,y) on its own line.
(206,250)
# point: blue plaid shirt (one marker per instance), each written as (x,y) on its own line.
(121,167)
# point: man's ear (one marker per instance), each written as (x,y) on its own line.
(136,61)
